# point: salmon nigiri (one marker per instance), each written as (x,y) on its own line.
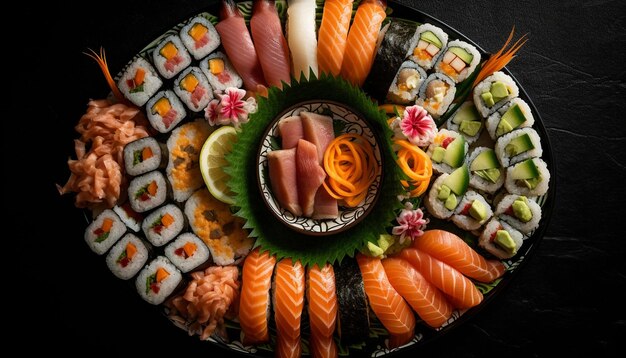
(451,249)
(270,43)
(254,303)
(238,45)
(390,308)
(287,348)
(459,288)
(361,42)
(332,35)
(288,300)
(425,299)
(321,296)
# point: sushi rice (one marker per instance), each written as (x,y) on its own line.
(163,224)
(485,86)
(170,56)
(139,81)
(104,231)
(199,37)
(480,183)
(464,220)
(514,187)
(221,74)
(504,154)
(436,94)
(449,63)
(188,252)
(525,227)
(119,259)
(147,191)
(165,111)
(143,155)
(494,119)
(158,280)
(427,62)
(406,84)
(492,247)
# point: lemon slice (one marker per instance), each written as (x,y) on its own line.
(213,161)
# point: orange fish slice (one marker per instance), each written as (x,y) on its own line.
(332,36)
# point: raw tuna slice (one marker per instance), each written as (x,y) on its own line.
(309,175)
(317,129)
(282,168)
(325,205)
(290,131)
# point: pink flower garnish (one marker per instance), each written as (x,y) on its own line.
(230,108)
(411,224)
(418,126)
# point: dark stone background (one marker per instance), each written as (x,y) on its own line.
(567,300)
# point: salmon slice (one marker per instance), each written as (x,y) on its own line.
(323,347)
(451,249)
(270,43)
(287,348)
(309,175)
(397,340)
(333,34)
(325,206)
(282,169)
(238,45)
(288,299)
(254,304)
(385,301)
(361,43)
(290,131)
(426,300)
(321,296)
(446,278)
(318,129)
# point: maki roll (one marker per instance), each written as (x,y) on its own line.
(512,115)
(147,191)
(158,280)
(500,239)
(446,192)
(353,321)
(520,212)
(127,257)
(220,72)
(486,173)
(458,60)
(436,94)
(494,92)
(447,151)
(165,111)
(170,56)
(199,37)
(406,83)
(467,121)
(130,217)
(104,231)
(143,155)
(163,224)
(518,145)
(426,45)
(390,55)
(187,252)
(193,88)
(529,178)
(472,212)
(139,81)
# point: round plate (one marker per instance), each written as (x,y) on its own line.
(345,120)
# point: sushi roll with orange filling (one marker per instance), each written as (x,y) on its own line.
(458,60)
(200,37)
(426,45)
(144,155)
(127,257)
(158,280)
(170,56)
(104,231)
(193,88)
(188,252)
(139,81)
(163,224)
(147,191)
(220,72)
(165,111)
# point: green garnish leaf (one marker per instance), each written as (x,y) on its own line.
(102,237)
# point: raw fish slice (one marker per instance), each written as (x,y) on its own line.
(301,34)
(271,46)
(318,129)
(451,249)
(238,45)
(323,347)
(290,131)
(287,348)
(398,340)
(325,206)
(361,42)
(333,34)
(282,169)
(385,301)
(254,304)
(445,277)
(309,175)
(425,299)
(288,299)
(322,300)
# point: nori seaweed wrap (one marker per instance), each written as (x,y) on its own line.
(353,321)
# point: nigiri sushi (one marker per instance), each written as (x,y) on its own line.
(321,297)
(302,37)
(269,42)
(333,34)
(288,301)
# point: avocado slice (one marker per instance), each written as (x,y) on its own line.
(511,119)
(455,152)
(444,192)
(525,170)
(491,175)
(478,210)
(521,209)
(488,99)
(438,154)
(519,145)
(505,241)
(470,127)
(458,180)
(485,160)
(462,54)
(531,183)
(498,91)
(373,250)
(451,202)
(466,113)
(431,38)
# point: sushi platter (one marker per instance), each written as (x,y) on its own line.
(313,178)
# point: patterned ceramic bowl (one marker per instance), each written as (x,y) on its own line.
(345,120)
